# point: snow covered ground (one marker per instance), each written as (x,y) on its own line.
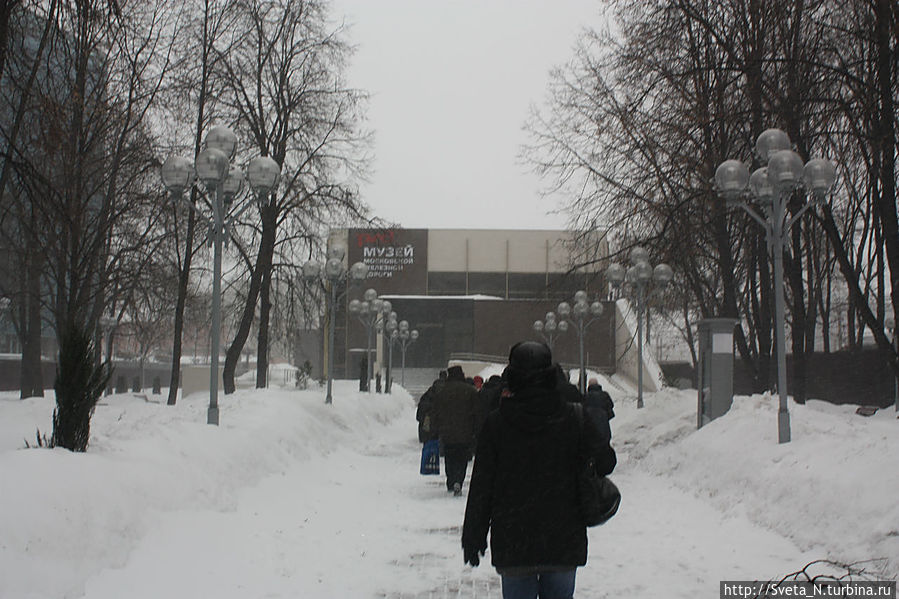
(293,498)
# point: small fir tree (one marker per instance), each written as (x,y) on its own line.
(80,380)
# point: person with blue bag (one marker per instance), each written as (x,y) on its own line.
(427,431)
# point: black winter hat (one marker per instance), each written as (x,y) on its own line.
(528,356)
(455,373)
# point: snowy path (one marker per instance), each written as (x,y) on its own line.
(392,533)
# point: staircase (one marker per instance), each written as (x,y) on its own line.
(417,380)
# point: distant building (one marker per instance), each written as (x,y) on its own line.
(473,292)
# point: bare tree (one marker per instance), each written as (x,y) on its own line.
(639,120)
(285,83)
(80,201)
(193,90)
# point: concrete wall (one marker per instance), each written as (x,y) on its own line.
(520,251)
(859,376)
(124,371)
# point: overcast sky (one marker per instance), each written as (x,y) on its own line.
(451,83)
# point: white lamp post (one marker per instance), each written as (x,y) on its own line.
(771,187)
(637,279)
(334,273)
(368,311)
(386,309)
(581,315)
(222,182)
(405,337)
(550,329)
(390,328)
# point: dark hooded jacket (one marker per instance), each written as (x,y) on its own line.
(523,485)
(426,430)
(567,389)
(598,403)
(488,397)
(455,410)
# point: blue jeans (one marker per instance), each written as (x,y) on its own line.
(548,585)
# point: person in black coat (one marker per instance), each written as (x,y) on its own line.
(426,430)
(524,483)
(455,416)
(488,397)
(598,403)
(567,389)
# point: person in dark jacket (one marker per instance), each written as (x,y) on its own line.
(426,430)
(567,389)
(598,403)
(524,482)
(489,396)
(455,415)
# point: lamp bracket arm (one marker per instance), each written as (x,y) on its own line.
(233,218)
(794,218)
(179,197)
(755,215)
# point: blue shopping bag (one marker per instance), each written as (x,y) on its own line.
(430,457)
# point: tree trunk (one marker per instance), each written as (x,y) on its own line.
(183,281)
(266,249)
(32,379)
(263,265)
(766,319)
(885,142)
(797,329)
(184,275)
(884,344)
(265,308)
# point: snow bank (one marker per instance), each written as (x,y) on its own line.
(64,516)
(834,488)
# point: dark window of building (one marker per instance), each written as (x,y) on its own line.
(527,285)
(564,286)
(487,283)
(446,283)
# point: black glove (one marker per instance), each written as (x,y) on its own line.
(471,556)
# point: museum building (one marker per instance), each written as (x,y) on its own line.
(473,293)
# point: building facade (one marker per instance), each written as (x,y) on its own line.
(473,292)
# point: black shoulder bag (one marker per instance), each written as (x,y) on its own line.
(598,496)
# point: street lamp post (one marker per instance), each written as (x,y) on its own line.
(222,182)
(386,309)
(550,329)
(390,328)
(638,278)
(581,315)
(772,186)
(405,337)
(368,311)
(334,273)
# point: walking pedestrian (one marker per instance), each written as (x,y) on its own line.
(492,392)
(598,403)
(456,418)
(569,391)
(488,398)
(424,411)
(524,482)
